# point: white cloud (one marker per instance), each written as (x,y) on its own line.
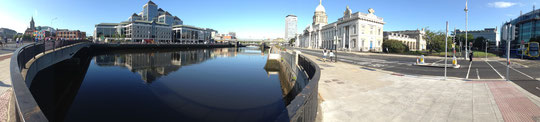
(501,4)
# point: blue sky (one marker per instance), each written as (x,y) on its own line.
(261,18)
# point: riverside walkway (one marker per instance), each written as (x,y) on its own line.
(5,85)
(357,93)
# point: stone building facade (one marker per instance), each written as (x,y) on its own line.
(352,32)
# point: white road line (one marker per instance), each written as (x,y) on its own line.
(495,70)
(477,74)
(468,71)
(519,71)
(438,61)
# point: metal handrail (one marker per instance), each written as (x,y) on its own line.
(303,108)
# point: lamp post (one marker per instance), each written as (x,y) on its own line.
(466,29)
(486,48)
(335,44)
(446,50)
(508,56)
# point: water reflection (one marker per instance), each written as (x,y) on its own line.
(224,84)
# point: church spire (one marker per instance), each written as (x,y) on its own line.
(32,26)
(320,2)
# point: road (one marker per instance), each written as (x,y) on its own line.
(478,70)
(10,47)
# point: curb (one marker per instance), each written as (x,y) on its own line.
(535,99)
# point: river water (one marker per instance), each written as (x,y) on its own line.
(222,84)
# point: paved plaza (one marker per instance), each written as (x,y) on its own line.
(357,93)
(5,85)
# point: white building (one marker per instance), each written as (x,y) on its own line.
(352,32)
(414,39)
(152,23)
(192,34)
(139,30)
(290,27)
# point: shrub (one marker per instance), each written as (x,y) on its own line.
(394,46)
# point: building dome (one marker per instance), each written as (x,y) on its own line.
(320,8)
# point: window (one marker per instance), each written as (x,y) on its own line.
(354,29)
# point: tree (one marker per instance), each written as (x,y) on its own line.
(479,43)
(395,46)
(461,38)
(291,41)
(429,36)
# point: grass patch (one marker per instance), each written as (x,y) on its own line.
(478,54)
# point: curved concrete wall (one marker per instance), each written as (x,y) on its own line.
(26,108)
(51,59)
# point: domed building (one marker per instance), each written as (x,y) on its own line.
(353,32)
(320,15)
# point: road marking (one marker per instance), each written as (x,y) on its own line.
(519,71)
(438,61)
(477,74)
(468,71)
(495,70)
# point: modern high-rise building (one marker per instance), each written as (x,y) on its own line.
(523,28)
(488,33)
(152,24)
(150,11)
(290,27)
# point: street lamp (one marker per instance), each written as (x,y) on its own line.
(335,45)
(466,29)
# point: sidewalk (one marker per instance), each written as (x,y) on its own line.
(354,93)
(5,85)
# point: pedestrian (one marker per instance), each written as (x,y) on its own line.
(16,42)
(470,56)
(332,56)
(325,53)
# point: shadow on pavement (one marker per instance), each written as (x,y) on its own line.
(4,85)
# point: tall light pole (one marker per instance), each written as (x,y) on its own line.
(446,50)
(508,54)
(466,29)
(486,48)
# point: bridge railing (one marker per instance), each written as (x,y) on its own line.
(30,51)
(23,105)
(303,108)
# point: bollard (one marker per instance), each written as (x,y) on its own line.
(422,59)
(454,61)
(417,60)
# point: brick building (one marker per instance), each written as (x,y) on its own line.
(70,34)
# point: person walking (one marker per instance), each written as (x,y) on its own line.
(470,56)
(332,56)
(325,53)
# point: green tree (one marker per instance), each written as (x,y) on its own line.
(395,46)
(435,41)
(291,41)
(479,43)
(429,37)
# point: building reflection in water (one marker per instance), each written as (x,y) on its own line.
(151,66)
